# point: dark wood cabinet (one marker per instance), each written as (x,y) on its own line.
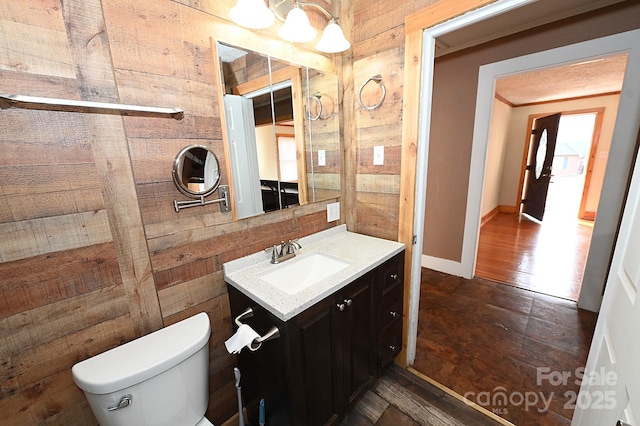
(390,296)
(357,337)
(327,355)
(316,382)
(331,346)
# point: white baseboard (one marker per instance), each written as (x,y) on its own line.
(443,265)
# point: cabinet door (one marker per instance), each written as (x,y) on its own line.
(314,344)
(353,309)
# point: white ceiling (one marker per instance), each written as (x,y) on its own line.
(523,18)
(229,54)
(589,78)
(570,81)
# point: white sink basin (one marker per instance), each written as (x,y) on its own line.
(302,273)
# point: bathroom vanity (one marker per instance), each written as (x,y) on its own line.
(337,312)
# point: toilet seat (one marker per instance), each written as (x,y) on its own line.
(204,422)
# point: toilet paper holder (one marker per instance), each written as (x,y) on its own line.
(273,332)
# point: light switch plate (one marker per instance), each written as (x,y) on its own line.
(333,212)
(322,159)
(378,155)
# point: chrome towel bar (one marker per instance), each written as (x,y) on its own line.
(8,100)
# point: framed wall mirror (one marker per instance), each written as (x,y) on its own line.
(282,131)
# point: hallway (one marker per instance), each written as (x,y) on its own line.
(484,339)
(546,257)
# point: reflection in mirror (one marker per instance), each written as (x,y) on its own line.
(196,171)
(279,157)
(322,135)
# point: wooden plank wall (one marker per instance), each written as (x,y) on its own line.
(92,253)
(378,48)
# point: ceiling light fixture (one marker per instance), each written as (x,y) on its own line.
(297,27)
(252,14)
(255,14)
(333,39)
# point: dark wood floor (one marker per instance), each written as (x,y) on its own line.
(483,339)
(547,257)
(400,398)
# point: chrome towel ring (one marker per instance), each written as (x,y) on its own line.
(378,79)
(307,113)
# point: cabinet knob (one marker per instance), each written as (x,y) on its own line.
(394,276)
(393,348)
(394,314)
(344,304)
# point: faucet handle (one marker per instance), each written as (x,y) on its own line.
(274,253)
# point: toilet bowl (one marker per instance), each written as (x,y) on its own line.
(204,422)
(160,379)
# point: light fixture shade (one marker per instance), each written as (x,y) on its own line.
(333,39)
(297,28)
(252,14)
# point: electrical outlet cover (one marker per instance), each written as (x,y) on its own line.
(378,155)
(322,159)
(333,212)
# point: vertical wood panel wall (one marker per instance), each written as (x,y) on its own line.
(92,254)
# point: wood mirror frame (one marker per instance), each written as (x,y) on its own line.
(314,182)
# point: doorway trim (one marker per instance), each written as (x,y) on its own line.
(421,31)
(419,67)
(620,153)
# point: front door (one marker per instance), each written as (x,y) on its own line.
(545,132)
(610,388)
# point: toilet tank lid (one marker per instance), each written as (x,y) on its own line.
(142,358)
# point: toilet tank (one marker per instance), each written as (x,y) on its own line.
(159,379)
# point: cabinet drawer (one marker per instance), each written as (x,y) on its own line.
(389,347)
(392,273)
(390,311)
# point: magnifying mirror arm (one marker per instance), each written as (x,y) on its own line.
(223,193)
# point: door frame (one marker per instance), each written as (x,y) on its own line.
(419,70)
(621,151)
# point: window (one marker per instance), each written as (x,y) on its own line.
(287,159)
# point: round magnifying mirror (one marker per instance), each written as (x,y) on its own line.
(196,171)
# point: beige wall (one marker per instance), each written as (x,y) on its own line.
(498,141)
(267,162)
(454,91)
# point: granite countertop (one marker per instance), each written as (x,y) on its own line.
(362,253)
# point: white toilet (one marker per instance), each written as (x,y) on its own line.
(160,379)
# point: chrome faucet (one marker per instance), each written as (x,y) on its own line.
(284,251)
